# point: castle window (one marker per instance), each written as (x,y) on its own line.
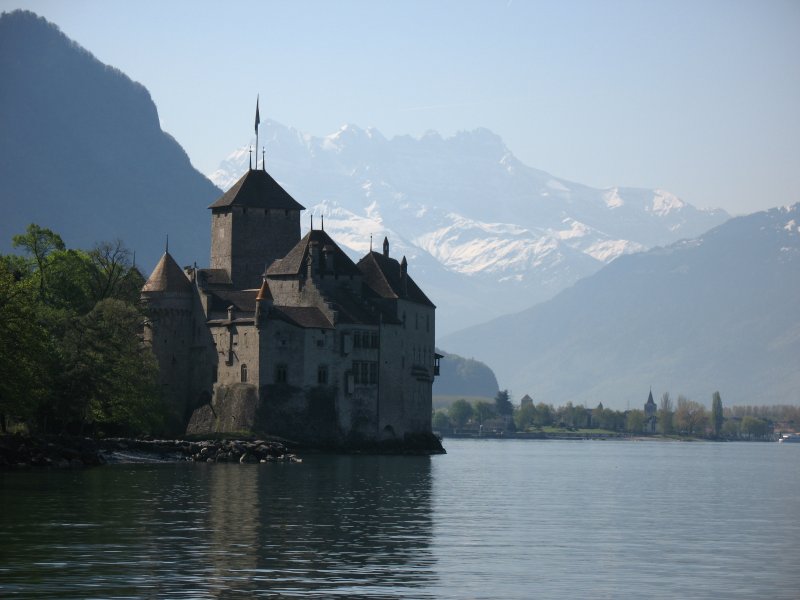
(374,342)
(356,339)
(244,373)
(322,375)
(281,375)
(365,372)
(213,374)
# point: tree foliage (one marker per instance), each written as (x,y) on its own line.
(460,412)
(484,411)
(24,369)
(72,355)
(39,242)
(690,417)
(440,420)
(717,417)
(502,403)
(665,414)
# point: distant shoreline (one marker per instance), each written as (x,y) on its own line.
(582,437)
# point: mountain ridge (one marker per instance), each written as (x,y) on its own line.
(107,170)
(508,234)
(717,312)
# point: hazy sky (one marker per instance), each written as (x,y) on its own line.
(701,98)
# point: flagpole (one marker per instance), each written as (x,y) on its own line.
(258,119)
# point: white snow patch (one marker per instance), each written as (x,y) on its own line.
(554,184)
(613,199)
(576,230)
(608,250)
(664,203)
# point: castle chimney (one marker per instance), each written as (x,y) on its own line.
(327,253)
(313,258)
(386,247)
(404,275)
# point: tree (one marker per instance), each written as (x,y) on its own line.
(440,420)
(110,380)
(525,416)
(665,414)
(544,415)
(730,429)
(634,421)
(39,242)
(24,370)
(113,275)
(460,412)
(502,403)
(690,416)
(484,411)
(716,414)
(753,427)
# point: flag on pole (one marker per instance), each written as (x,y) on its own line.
(258,118)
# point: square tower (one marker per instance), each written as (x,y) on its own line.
(252,224)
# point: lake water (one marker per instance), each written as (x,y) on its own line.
(491,519)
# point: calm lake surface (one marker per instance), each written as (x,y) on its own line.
(491,519)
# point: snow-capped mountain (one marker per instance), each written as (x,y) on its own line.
(719,312)
(484,234)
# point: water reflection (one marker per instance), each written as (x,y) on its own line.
(348,526)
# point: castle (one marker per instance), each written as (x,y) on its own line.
(287,336)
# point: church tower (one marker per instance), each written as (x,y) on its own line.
(252,224)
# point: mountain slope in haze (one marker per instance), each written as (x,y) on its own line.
(83,152)
(464,376)
(485,235)
(719,312)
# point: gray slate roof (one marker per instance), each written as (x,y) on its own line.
(383,275)
(257,189)
(295,261)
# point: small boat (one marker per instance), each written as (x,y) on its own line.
(790,438)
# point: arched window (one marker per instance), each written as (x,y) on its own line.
(244,373)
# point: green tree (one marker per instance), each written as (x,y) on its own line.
(525,417)
(39,242)
(717,417)
(460,412)
(440,420)
(24,344)
(730,429)
(634,421)
(110,379)
(753,427)
(544,415)
(484,411)
(502,403)
(665,414)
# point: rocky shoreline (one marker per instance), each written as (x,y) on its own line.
(27,451)
(22,452)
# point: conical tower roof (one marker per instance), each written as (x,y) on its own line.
(168,277)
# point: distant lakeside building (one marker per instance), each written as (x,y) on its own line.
(289,337)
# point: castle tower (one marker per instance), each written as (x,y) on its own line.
(167,297)
(252,224)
